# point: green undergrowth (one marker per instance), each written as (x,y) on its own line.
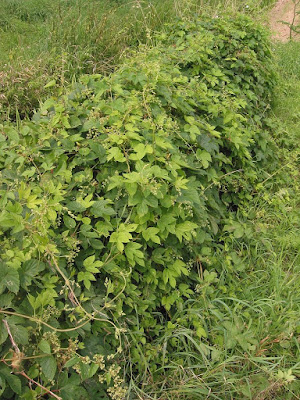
(251,308)
(133,207)
(48,43)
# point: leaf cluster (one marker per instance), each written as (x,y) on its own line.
(116,191)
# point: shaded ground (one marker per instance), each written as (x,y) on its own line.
(284,10)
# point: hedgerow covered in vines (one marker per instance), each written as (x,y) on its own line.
(116,199)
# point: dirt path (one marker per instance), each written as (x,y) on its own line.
(283,11)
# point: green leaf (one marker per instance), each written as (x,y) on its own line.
(96,244)
(48,365)
(93,369)
(133,254)
(50,84)
(165,275)
(71,362)
(99,150)
(19,333)
(184,230)
(167,222)
(237,229)
(3,333)
(172,281)
(88,262)
(69,222)
(239,232)
(73,392)
(65,121)
(151,234)
(76,206)
(13,381)
(88,371)
(204,157)
(115,154)
(86,276)
(11,220)
(52,215)
(140,151)
(100,208)
(91,265)
(103,228)
(2,385)
(45,346)
(6,299)
(142,208)
(9,279)
(15,208)
(115,181)
(12,134)
(180,267)
(131,188)
(29,270)
(122,235)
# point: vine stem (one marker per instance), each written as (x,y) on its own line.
(91,317)
(39,321)
(221,177)
(14,344)
(74,297)
(23,373)
(38,384)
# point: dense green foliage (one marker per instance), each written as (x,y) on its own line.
(40,43)
(119,200)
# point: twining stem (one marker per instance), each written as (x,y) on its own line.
(38,384)
(23,373)
(14,344)
(39,321)
(91,317)
(74,297)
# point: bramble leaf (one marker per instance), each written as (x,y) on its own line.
(49,367)
(9,279)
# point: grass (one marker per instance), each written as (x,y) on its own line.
(250,311)
(64,39)
(45,41)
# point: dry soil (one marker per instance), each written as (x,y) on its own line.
(284,11)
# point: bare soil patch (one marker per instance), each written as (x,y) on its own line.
(283,11)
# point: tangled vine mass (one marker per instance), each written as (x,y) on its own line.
(117,198)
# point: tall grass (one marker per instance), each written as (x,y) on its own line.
(251,313)
(251,349)
(43,40)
